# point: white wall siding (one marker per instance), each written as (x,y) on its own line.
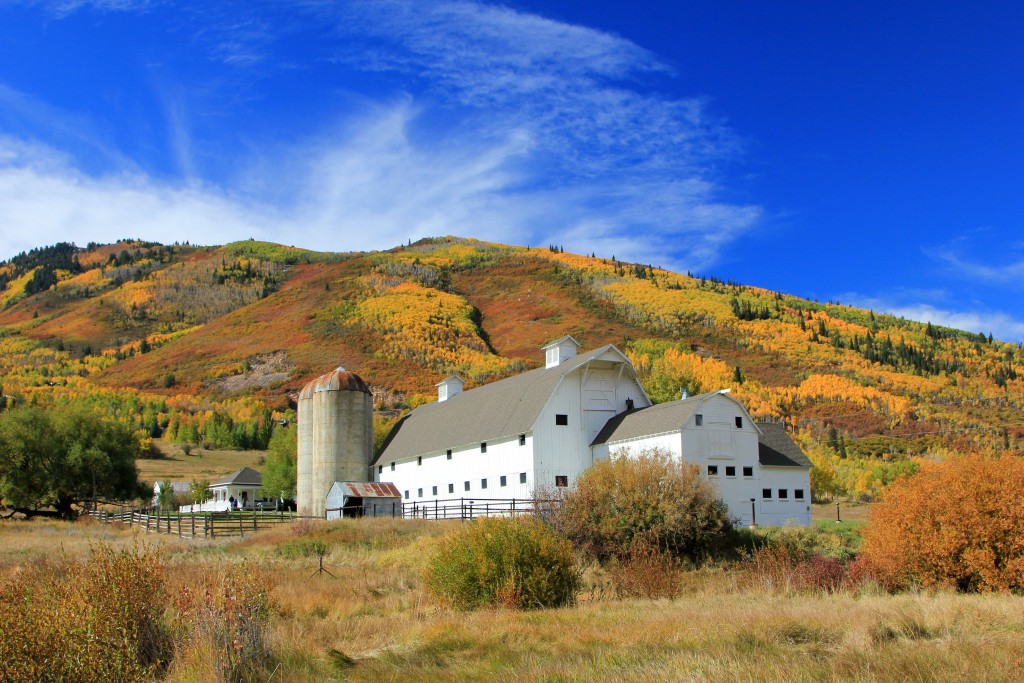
(778,511)
(503,458)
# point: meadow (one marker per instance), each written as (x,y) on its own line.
(370,619)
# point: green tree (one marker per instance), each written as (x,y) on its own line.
(280,471)
(197,490)
(62,456)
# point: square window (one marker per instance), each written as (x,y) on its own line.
(739,422)
(503,481)
(783,494)
(712,470)
(419,493)
(730,471)
(466,486)
(451,488)
(561,419)
(483,446)
(392,467)
(483,483)
(419,460)
(433,491)
(449,454)
(561,480)
(748,471)
(407,495)
(698,419)
(798,494)
(522,439)
(522,477)
(766,494)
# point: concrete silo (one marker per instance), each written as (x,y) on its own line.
(335,415)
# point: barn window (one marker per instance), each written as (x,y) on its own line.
(766,494)
(433,491)
(451,488)
(522,439)
(748,471)
(739,422)
(483,446)
(483,483)
(783,494)
(798,494)
(419,493)
(392,467)
(730,471)
(419,460)
(561,480)
(467,485)
(698,419)
(561,419)
(407,495)
(712,470)
(522,477)
(449,455)
(380,469)
(504,480)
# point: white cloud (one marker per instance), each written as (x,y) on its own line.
(1001,325)
(509,127)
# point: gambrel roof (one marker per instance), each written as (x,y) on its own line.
(774,446)
(502,409)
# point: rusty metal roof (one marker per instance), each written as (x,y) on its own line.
(338,379)
(369,489)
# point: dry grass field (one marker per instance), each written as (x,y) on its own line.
(372,621)
(200,463)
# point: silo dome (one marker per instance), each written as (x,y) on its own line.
(335,415)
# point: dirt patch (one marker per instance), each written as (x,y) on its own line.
(264,369)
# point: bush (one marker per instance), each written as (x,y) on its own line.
(518,563)
(647,572)
(959,523)
(95,621)
(649,494)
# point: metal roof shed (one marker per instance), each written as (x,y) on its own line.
(363,499)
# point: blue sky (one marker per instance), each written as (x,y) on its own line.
(870,153)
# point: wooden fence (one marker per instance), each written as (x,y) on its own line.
(194,525)
(240,523)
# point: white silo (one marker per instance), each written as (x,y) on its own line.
(339,417)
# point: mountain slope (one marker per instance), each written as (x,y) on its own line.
(200,342)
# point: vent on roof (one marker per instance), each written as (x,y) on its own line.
(559,351)
(448,387)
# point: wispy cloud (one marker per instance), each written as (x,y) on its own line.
(941,309)
(1007,270)
(498,124)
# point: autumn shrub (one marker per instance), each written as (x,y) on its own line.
(959,523)
(646,571)
(100,620)
(779,568)
(648,494)
(221,613)
(519,563)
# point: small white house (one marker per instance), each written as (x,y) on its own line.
(239,490)
(363,499)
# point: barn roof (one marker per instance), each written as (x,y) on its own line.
(777,449)
(246,476)
(505,408)
(656,419)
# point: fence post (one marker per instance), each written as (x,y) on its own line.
(254,520)
(241,529)
(193,522)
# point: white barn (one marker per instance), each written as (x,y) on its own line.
(540,429)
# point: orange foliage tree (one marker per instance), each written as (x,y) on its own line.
(959,523)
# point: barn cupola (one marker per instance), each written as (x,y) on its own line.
(449,386)
(559,351)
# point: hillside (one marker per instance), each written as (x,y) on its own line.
(208,343)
